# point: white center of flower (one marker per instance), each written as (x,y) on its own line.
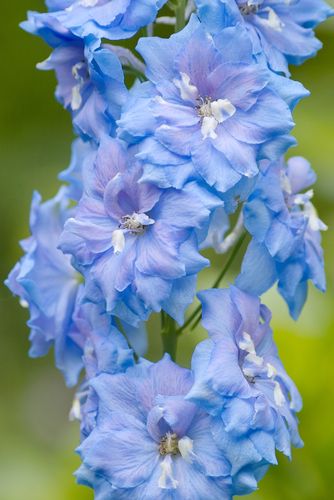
(310,213)
(271,21)
(250,373)
(133,224)
(247,344)
(170,445)
(211,112)
(302,200)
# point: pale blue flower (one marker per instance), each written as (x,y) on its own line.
(208,113)
(281,30)
(286,244)
(241,382)
(90,78)
(149,442)
(50,287)
(136,244)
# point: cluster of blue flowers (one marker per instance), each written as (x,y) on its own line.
(173,142)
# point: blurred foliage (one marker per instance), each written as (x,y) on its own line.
(37,441)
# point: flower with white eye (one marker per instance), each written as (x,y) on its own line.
(281,30)
(149,442)
(89,74)
(240,380)
(206,110)
(134,240)
(286,234)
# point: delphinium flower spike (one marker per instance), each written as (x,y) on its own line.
(180,147)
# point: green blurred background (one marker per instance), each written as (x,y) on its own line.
(36,438)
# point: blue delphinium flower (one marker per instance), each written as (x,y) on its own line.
(90,78)
(50,287)
(281,29)
(206,113)
(109,19)
(286,244)
(137,244)
(148,442)
(241,382)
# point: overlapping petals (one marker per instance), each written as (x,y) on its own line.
(239,379)
(109,19)
(281,31)
(137,244)
(206,114)
(50,287)
(286,231)
(149,442)
(90,77)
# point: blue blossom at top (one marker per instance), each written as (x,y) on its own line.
(286,244)
(90,79)
(109,19)
(137,244)
(241,382)
(149,443)
(206,113)
(50,287)
(281,29)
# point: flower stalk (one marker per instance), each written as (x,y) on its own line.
(169,335)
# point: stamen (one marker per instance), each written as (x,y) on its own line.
(247,9)
(132,224)
(212,113)
(169,445)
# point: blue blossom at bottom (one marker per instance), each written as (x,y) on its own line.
(149,442)
(241,382)
(286,231)
(50,287)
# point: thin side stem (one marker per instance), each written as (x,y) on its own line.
(197,314)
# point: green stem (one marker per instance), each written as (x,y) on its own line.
(197,314)
(180,14)
(168,335)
